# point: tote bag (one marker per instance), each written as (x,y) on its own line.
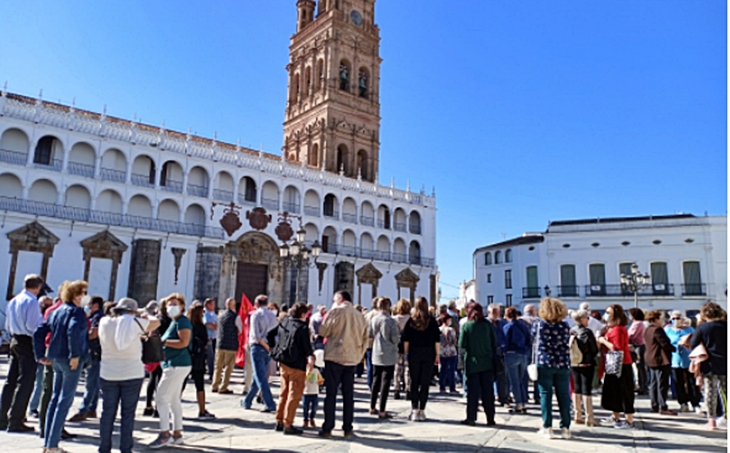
(532,367)
(614,362)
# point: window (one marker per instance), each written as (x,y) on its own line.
(660,279)
(249,192)
(44,151)
(508,256)
(489,278)
(329,205)
(692,279)
(363,83)
(508,279)
(490,299)
(487,258)
(567,287)
(533,286)
(498,257)
(344,76)
(163,174)
(625,269)
(597,274)
(508,299)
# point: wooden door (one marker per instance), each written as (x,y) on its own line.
(252,280)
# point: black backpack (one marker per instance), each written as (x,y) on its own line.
(284,349)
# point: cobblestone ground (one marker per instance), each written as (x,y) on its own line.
(236,429)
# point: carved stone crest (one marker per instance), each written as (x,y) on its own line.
(258,219)
(284,231)
(230,221)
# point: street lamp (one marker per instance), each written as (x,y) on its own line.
(635,282)
(547,291)
(297,255)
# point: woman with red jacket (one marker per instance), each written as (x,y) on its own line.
(618,392)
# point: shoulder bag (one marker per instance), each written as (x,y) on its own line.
(532,367)
(151,346)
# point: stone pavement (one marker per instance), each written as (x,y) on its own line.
(236,429)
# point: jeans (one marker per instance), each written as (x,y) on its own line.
(260,360)
(659,387)
(169,395)
(369,366)
(481,386)
(310,406)
(210,357)
(91,395)
(547,379)
(35,400)
(113,394)
(447,373)
(338,376)
(500,387)
(516,370)
(19,382)
(65,381)
(381,385)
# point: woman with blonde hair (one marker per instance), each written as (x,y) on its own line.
(67,352)
(618,390)
(401,314)
(175,369)
(421,342)
(552,336)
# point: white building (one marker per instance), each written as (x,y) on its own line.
(141,211)
(582,260)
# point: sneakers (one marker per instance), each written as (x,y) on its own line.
(721,422)
(414,416)
(293,431)
(623,424)
(565,433)
(205,415)
(421,416)
(684,408)
(547,433)
(609,421)
(161,441)
(177,440)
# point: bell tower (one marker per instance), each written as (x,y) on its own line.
(332,118)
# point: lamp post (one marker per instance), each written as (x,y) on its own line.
(635,282)
(296,254)
(547,291)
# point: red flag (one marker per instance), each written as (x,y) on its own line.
(243,312)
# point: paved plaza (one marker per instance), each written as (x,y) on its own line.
(236,429)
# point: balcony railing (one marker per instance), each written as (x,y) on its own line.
(382,224)
(694,289)
(243,200)
(198,191)
(53,164)
(400,257)
(399,227)
(311,211)
(367,221)
(333,214)
(173,186)
(291,207)
(79,169)
(349,218)
(222,195)
(106,218)
(568,291)
(596,290)
(270,203)
(141,180)
(13,157)
(382,256)
(415,228)
(530,292)
(376,254)
(662,289)
(108,174)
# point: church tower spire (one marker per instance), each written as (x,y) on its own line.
(332,118)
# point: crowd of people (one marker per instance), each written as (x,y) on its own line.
(404,347)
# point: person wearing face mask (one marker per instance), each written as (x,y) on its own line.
(93,309)
(67,352)
(684,381)
(176,367)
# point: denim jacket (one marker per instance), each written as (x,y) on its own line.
(69,331)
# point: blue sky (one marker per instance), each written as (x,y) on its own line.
(517,112)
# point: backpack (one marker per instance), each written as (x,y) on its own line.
(284,349)
(576,355)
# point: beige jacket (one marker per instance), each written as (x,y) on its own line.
(346,332)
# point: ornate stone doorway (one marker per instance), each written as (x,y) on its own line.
(251,265)
(33,237)
(407,279)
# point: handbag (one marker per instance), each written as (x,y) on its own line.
(614,362)
(532,367)
(576,355)
(152,351)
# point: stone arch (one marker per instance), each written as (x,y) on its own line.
(407,279)
(49,151)
(330,207)
(363,82)
(198,181)
(110,201)
(369,275)
(363,165)
(344,75)
(320,74)
(414,253)
(171,176)
(10,186)
(311,203)
(83,153)
(312,233)
(78,196)
(399,220)
(247,192)
(313,156)
(140,206)
(329,240)
(366,245)
(253,253)
(43,191)
(399,250)
(384,219)
(383,248)
(342,159)
(349,210)
(223,186)
(195,214)
(292,202)
(367,214)
(349,243)
(104,245)
(414,222)
(270,195)
(114,165)
(169,211)
(14,144)
(307,80)
(144,170)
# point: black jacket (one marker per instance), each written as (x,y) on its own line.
(293,343)
(586,343)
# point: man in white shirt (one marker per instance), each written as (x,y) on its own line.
(261,322)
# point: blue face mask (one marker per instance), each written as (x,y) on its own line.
(87,309)
(675,322)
